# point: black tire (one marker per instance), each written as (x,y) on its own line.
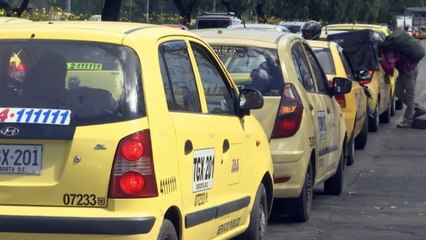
(299,209)
(399,104)
(385,117)
(361,139)
(350,151)
(258,217)
(393,110)
(167,231)
(334,185)
(373,120)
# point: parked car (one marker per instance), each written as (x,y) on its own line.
(302,120)
(262,26)
(128,131)
(354,104)
(293,26)
(218,20)
(382,86)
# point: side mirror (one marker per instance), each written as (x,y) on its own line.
(250,99)
(363,75)
(341,86)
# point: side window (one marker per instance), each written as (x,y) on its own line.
(347,67)
(178,77)
(302,68)
(218,97)
(320,77)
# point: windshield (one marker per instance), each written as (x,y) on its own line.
(68,83)
(253,67)
(213,23)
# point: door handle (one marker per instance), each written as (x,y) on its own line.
(311,107)
(188,147)
(328,110)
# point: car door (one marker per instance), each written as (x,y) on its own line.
(229,133)
(318,110)
(332,114)
(209,137)
(196,141)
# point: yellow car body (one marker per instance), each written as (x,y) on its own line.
(147,138)
(354,103)
(381,104)
(303,122)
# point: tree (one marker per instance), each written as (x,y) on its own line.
(111,10)
(14,11)
(185,12)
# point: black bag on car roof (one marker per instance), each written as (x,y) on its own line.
(361,48)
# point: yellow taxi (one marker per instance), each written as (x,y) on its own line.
(303,121)
(381,105)
(354,104)
(127,131)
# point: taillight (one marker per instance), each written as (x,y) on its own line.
(133,170)
(367,81)
(341,100)
(289,114)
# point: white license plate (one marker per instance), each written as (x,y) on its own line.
(21,159)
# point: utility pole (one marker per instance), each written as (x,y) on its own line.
(68,6)
(147,11)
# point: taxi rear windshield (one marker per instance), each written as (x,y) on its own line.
(90,83)
(253,67)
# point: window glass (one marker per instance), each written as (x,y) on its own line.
(178,77)
(302,68)
(93,83)
(219,99)
(253,67)
(325,59)
(346,65)
(320,77)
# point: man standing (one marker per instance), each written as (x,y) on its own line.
(405,84)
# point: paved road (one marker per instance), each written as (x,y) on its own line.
(385,190)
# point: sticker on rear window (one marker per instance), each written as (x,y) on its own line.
(229,51)
(84,66)
(35,115)
(203,169)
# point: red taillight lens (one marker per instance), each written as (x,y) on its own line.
(132,150)
(367,81)
(289,114)
(341,100)
(133,170)
(132,182)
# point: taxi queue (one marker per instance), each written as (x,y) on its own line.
(139,131)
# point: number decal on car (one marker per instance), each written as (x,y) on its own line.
(84,66)
(78,199)
(203,169)
(35,115)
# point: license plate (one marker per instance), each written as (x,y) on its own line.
(21,159)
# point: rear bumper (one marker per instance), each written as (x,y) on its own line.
(76,225)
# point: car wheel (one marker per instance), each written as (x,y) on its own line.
(399,104)
(361,139)
(167,231)
(350,153)
(373,120)
(385,117)
(334,185)
(393,111)
(299,209)
(258,217)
